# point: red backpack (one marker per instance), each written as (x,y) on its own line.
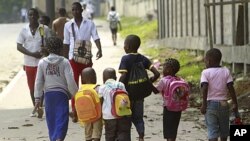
(176,95)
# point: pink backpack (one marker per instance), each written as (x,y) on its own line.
(176,95)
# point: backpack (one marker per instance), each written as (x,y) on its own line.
(176,96)
(120,103)
(113,21)
(88,104)
(139,85)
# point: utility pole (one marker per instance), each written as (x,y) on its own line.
(50,9)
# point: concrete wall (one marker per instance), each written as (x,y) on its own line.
(183,26)
(135,8)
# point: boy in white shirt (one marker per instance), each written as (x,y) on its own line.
(115,128)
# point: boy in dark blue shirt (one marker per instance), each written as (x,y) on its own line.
(131,45)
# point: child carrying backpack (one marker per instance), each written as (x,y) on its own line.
(114,19)
(134,76)
(88,106)
(116,108)
(175,92)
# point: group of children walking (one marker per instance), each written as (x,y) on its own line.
(55,76)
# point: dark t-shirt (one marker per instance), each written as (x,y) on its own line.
(128,60)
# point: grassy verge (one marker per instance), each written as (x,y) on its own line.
(146,30)
(191,65)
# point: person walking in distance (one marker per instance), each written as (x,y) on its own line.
(77,34)
(114,20)
(58,24)
(29,42)
(85,13)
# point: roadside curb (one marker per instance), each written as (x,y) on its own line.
(12,83)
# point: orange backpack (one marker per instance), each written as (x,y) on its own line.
(88,104)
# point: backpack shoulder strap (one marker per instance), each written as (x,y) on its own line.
(73,31)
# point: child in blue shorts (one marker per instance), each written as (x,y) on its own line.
(216,82)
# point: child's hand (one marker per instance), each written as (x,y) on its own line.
(203,109)
(154,89)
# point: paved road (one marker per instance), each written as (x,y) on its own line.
(10,60)
(15,103)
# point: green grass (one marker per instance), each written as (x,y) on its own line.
(146,30)
(191,65)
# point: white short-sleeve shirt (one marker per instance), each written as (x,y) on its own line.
(85,32)
(105,92)
(31,43)
(217,79)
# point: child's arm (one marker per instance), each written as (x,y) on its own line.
(156,74)
(233,96)
(123,77)
(204,89)
(154,89)
(37,106)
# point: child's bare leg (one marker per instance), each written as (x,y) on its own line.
(171,139)
(223,139)
(113,38)
(215,139)
(95,139)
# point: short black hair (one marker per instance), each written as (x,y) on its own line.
(88,76)
(46,19)
(173,63)
(78,4)
(35,11)
(214,54)
(54,45)
(62,11)
(112,8)
(109,73)
(133,41)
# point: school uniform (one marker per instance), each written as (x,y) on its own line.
(86,30)
(113,15)
(115,128)
(137,106)
(31,43)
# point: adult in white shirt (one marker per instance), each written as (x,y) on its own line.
(29,42)
(86,13)
(84,29)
